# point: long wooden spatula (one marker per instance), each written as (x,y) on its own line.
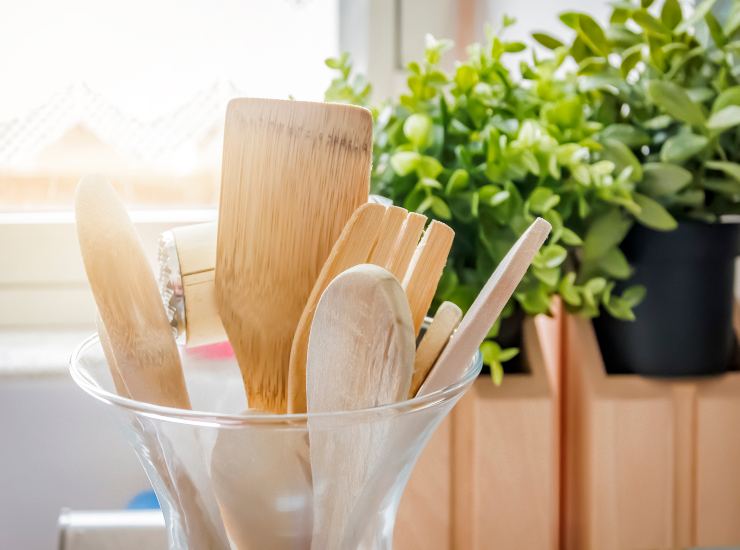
(456,357)
(293,173)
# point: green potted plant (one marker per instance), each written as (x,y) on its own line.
(486,151)
(665,86)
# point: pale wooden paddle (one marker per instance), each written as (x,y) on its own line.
(374,232)
(293,173)
(360,354)
(136,338)
(433,342)
(127,297)
(456,357)
(425,270)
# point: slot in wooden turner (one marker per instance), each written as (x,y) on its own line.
(293,173)
(456,357)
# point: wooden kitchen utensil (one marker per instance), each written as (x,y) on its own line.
(456,357)
(360,354)
(293,173)
(127,297)
(433,342)
(373,232)
(425,269)
(136,338)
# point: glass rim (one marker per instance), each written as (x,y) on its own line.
(189,416)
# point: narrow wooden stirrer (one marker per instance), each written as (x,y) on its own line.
(351,248)
(360,354)
(293,173)
(456,357)
(433,342)
(127,297)
(425,270)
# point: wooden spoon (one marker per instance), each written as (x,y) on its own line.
(433,342)
(360,354)
(293,173)
(455,359)
(139,347)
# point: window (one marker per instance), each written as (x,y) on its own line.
(137,91)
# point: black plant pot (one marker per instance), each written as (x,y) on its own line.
(684,325)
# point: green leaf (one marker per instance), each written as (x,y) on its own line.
(542,199)
(622,157)
(615,264)
(728,117)
(418,129)
(730,96)
(567,290)
(592,34)
(682,147)
(715,29)
(547,40)
(630,58)
(570,19)
(732,169)
(604,233)
(405,162)
(675,101)
(548,275)
(428,167)
(660,179)
(728,187)
(649,23)
(570,238)
(430,183)
(653,214)
(458,181)
(626,133)
(671,14)
(634,295)
(440,208)
(699,13)
(551,256)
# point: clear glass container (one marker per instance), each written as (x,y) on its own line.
(235,478)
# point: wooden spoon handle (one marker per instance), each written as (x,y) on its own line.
(486,308)
(433,342)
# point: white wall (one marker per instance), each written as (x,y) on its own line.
(58,448)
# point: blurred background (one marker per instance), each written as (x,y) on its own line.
(137,90)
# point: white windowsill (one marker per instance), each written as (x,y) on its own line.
(38,352)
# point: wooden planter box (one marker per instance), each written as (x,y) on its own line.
(647,463)
(490,476)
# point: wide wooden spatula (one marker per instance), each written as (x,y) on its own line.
(293,173)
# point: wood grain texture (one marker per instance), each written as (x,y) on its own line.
(405,245)
(492,480)
(648,463)
(352,248)
(360,354)
(425,269)
(485,309)
(433,342)
(202,530)
(293,173)
(127,297)
(393,221)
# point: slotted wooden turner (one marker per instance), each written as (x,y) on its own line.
(293,173)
